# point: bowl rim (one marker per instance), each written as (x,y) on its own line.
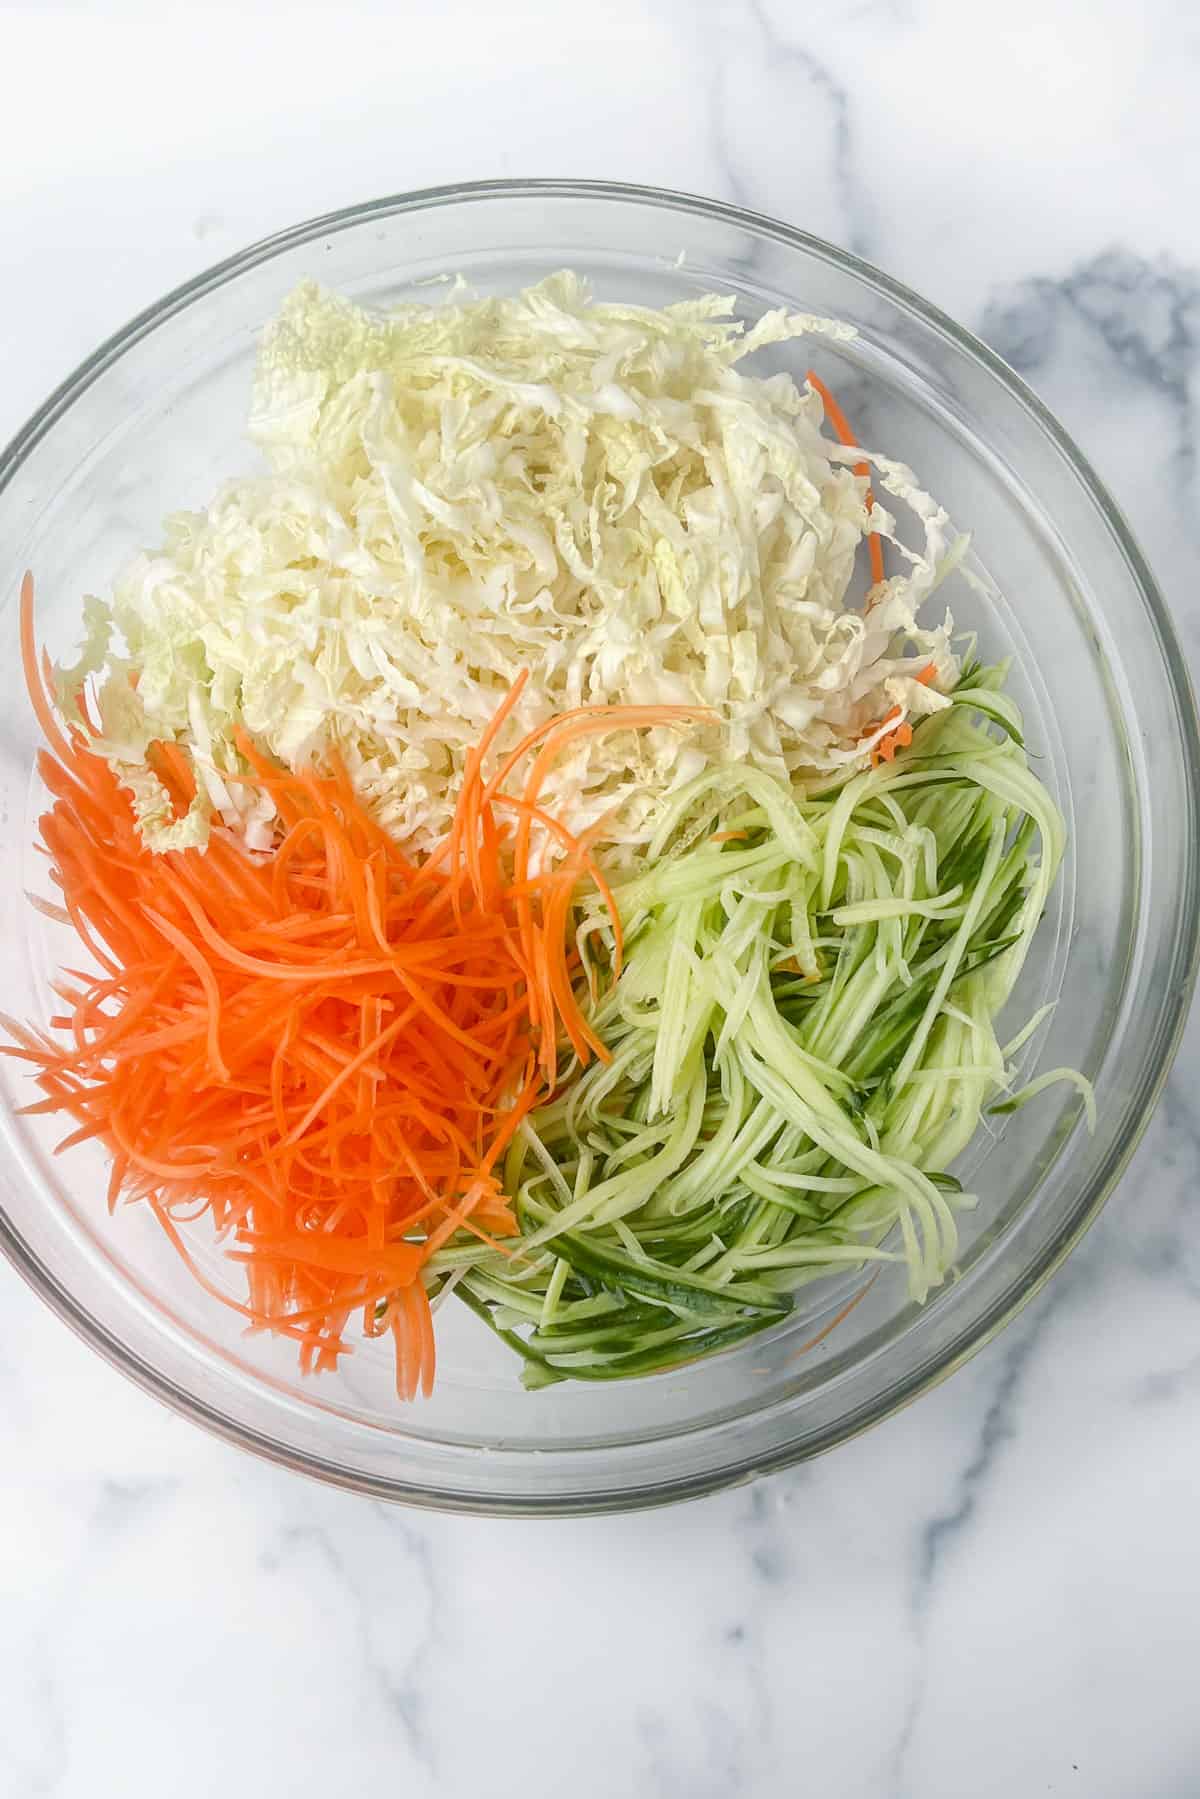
(1175,1007)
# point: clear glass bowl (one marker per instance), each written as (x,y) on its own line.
(155,420)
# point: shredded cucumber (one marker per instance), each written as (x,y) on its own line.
(802,1040)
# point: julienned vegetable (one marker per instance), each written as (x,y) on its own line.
(325,1052)
(801,1043)
(430,957)
(460,490)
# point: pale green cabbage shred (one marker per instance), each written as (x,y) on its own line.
(459,490)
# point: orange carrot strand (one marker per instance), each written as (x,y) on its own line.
(845,435)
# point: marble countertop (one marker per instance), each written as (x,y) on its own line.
(996,1593)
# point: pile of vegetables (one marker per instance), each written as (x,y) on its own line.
(460,492)
(512,869)
(801,1043)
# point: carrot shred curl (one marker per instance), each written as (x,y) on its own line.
(898,738)
(901,734)
(844,435)
(324,1052)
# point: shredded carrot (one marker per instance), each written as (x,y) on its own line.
(43,710)
(901,735)
(898,738)
(325,1052)
(845,435)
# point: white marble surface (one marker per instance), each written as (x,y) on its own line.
(994,1595)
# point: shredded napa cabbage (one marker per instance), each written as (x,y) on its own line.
(458,491)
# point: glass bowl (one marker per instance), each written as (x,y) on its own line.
(155,421)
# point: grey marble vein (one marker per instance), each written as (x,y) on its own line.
(750,49)
(39,1770)
(397,1684)
(794,59)
(1145,312)
(946,1532)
